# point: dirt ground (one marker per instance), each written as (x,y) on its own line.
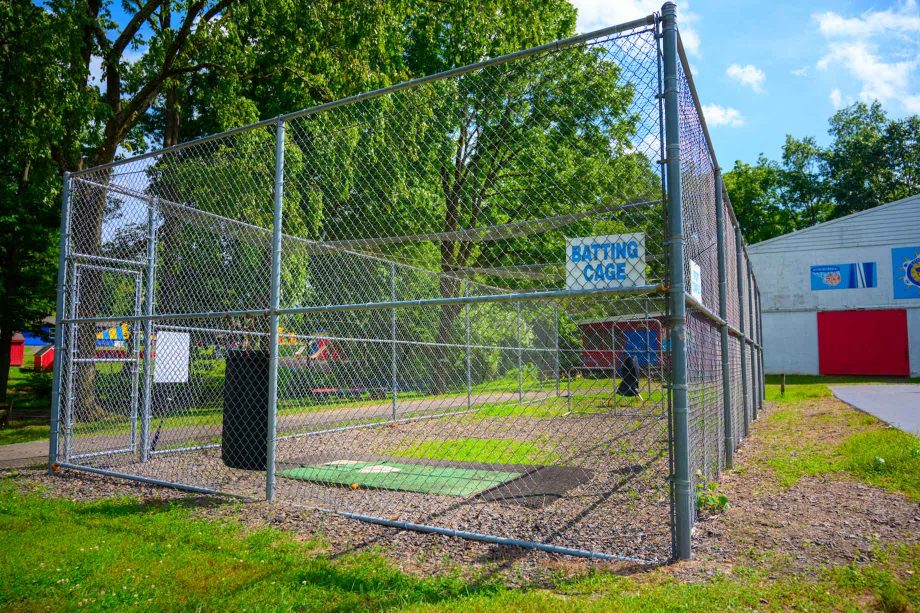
(825,520)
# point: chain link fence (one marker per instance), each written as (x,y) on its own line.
(448,305)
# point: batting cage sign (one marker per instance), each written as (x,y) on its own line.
(603,262)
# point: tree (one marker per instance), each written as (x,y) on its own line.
(801,182)
(755,194)
(857,163)
(871,160)
(35,109)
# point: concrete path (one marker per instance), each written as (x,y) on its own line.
(897,405)
(24,454)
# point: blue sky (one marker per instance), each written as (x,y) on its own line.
(767,69)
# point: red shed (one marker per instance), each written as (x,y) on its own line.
(17,348)
(44,359)
(642,336)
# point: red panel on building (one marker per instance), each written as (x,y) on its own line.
(863,343)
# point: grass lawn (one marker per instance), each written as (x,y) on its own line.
(125,553)
(488,451)
(869,451)
(31,395)
(120,553)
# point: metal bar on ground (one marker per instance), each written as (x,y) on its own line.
(149,481)
(487,538)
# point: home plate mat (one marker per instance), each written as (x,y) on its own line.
(422,478)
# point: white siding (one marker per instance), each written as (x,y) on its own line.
(782,266)
(913,337)
(790,343)
(890,224)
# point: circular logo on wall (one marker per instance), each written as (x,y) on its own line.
(912,271)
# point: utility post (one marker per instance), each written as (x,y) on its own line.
(678,334)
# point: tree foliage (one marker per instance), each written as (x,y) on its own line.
(871,160)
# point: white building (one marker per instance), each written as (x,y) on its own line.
(843,297)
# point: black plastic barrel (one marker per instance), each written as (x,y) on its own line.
(245,410)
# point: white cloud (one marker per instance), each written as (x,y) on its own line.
(717,115)
(880,80)
(596,14)
(801,72)
(904,20)
(838,99)
(880,50)
(749,75)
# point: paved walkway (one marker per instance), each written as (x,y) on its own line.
(23,454)
(897,405)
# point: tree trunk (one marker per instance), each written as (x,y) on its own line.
(8,316)
(6,341)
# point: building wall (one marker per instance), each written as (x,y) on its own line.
(783,270)
(790,343)
(913,335)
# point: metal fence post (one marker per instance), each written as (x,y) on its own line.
(147,405)
(393,339)
(755,378)
(556,361)
(58,327)
(273,317)
(763,373)
(520,355)
(469,356)
(678,332)
(739,257)
(723,329)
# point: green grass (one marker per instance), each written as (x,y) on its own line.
(31,396)
(808,439)
(118,554)
(887,457)
(121,554)
(23,434)
(490,451)
(878,585)
(809,387)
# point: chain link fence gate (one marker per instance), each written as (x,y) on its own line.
(448,305)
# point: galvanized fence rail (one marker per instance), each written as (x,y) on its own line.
(508,302)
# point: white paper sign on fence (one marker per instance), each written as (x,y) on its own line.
(696,281)
(602,262)
(170,364)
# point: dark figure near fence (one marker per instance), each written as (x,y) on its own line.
(629,378)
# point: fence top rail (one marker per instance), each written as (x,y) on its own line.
(646,21)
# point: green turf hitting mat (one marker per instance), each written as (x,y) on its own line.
(420,478)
